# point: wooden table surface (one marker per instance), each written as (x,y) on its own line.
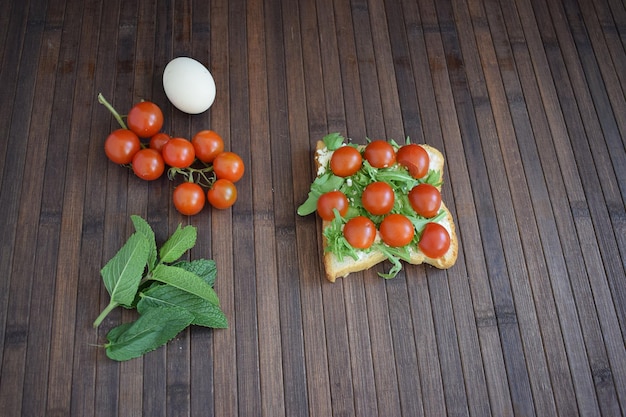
(526,100)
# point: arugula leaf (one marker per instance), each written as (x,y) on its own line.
(142,226)
(322,184)
(151,330)
(186,281)
(394,255)
(205,313)
(333,141)
(180,242)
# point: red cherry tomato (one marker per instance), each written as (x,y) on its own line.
(189,198)
(435,240)
(121,145)
(178,153)
(222,194)
(380,154)
(378,198)
(396,230)
(414,158)
(345,161)
(425,200)
(329,201)
(228,165)
(145,119)
(148,164)
(360,232)
(157,141)
(207,144)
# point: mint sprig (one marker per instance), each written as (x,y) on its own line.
(169,294)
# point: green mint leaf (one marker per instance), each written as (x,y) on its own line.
(204,268)
(186,281)
(333,141)
(142,226)
(322,184)
(180,242)
(205,313)
(123,273)
(150,331)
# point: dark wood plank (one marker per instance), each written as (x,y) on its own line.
(17,259)
(526,101)
(432,134)
(505,314)
(224,347)
(534,265)
(536,175)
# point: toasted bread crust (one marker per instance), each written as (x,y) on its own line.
(335,268)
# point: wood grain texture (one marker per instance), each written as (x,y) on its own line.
(525,99)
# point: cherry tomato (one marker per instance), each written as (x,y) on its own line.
(396,230)
(145,119)
(178,152)
(414,158)
(157,141)
(222,194)
(378,198)
(148,164)
(189,198)
(329,201)
(228,165)
(121,145)
(360,232)
(435,240)
(380,154)
(425,200)
(346,161)
(207,144)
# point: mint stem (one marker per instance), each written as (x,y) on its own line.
(104,313)
(108,105)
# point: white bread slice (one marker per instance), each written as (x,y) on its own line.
(335,268)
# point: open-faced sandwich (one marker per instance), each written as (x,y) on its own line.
(380,201)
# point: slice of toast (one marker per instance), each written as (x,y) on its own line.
(336,268)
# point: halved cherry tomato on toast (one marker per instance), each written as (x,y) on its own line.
(396,230)
(378,198)
(380,154)
(414,158)
(360,232)
(329,201)
(346,161)
(435,240)
(425,200)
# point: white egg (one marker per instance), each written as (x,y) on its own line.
(188,85)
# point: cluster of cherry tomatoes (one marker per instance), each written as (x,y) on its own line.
(378,199)
(202,161)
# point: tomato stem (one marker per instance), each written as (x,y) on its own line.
(203,177)
(114,112)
